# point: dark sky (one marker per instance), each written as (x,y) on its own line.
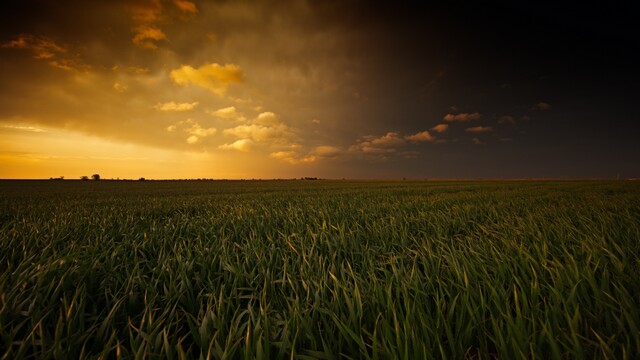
(360,89)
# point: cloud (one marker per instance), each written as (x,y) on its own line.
(378,145)
(120,87)
(292,157)
(145,35)
(229,113)
(479,129)
(243,145)
(23,128)
(257,132)
(389,139)
(327,150)
(267,118)
(173,106)
(44,48)
(186,6)
(264,128)
(422,136)
(440,128)
(507,120)
(213,77)
(193,129)
(145,11)
(542,106)
(462,117)
(476,141)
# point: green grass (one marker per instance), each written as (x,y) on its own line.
(319,269)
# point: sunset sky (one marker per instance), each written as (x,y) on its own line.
(334,89)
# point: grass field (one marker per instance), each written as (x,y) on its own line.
(319,269)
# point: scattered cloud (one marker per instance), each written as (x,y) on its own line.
(44,48)
(476,141)
(422,136)
(145,36)
(242,145)
(145,11)
(327,151)
(462,117)
(186,6)
(292,157)
(378,145)
(258,132)
(229,113)
(542,106)
(506,119)
(264,128)
(213,77)
(315,121)
(479,129)
(119,87)
(193,129)
(387,140)
(23,128)
(440,128)
(173,106)
(267,119)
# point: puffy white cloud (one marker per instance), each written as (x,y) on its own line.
(264,128)
(440,128)
(243,145)
(462,117)
(173,106)
(479,129)
(213,77)
(422,136)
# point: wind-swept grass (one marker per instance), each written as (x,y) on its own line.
(320,269)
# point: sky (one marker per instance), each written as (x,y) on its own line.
(179,89)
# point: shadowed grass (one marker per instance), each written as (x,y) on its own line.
(322,269)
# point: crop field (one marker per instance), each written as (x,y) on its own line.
(319,269)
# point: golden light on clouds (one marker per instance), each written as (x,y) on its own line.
(213,77)
(217,89)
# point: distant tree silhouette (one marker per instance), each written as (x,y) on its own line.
(141,179)
(95,176)
(84,177)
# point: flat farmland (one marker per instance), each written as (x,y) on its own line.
(320,269)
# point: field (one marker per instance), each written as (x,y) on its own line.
(319,269)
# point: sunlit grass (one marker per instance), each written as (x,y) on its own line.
(320,269)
